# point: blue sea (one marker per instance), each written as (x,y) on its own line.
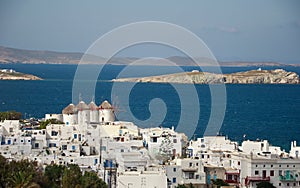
(269,112)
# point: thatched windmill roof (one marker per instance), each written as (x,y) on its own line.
(82,106)
(93,106)
(70,109)
(105,105)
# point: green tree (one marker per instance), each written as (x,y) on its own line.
(21,174)
(184,186)
(54,174)
(10,115)
(44,124)
(71,176)
(219,183)
(3,171)
(20,179)
(265,184)
(91,180)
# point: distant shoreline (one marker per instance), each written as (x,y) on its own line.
(247,64)
(277,76)
(13,56)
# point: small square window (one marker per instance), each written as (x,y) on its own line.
(256,172)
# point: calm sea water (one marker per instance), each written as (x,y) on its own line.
(260,111)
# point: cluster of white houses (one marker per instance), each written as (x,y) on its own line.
(125,155)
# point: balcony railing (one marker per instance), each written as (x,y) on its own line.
(232,181)
(288,178)
(256,178)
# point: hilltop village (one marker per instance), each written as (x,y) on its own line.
(124,155)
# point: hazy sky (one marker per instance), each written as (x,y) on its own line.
(234,30)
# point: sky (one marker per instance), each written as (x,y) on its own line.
(233,30)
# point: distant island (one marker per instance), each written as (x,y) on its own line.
(10,74)
(259,76)
(12,55)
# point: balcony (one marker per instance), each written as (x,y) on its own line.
(287,178)
(256,179)
(232,181)
(190,169)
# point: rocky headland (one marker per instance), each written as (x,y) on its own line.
(277,76)
(9,74)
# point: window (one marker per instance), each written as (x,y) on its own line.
(271,166)
(103,148)
(191,164)
(174,169)
(96,161)
(11,129)
(197,176)
(22,140)
(255,165)
(175,141)
(73,147)
(202,140)
(256,172)
(279,165)
(64,147)
(36,145)
(197,164)
(272,173)
(79,137)
(174,180)
(54,133)
(202,156)
(75,136)
(29,140)
(288,184)
(191,175)
(280,172)
(239,163)
(279,184)
(287,166)
(154,139)
(52,145)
